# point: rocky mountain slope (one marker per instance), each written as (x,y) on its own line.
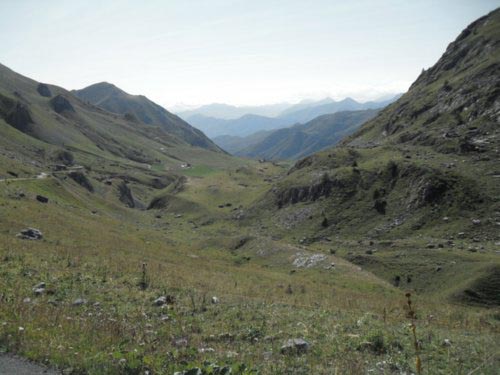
(426,167)
(297,141)
(44,127)
(140,108)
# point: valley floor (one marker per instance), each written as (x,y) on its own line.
(234,293)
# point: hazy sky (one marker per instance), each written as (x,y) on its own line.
(232,51)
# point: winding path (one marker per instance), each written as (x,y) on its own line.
(17,366)
(41,176)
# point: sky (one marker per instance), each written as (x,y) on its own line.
(241,52)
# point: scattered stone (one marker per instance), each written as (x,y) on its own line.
(438,268)
(38,291)
(446,342)
(42,199)
(446,218)
(295,346)
(30,234)
(206,350)
(79,302)
(476,221)
(160,301)
(27,300)
(193,371)
(215,300)
(40,285)
(181,342)
(305,261)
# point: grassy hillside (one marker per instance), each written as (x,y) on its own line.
(155,256)
(104,265)
(139,108)
(300,140)
(421,177)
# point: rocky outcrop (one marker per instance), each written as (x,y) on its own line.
(311,193)
(82,180)
(63,157)
(60,104)
(15,114)
(44,90)
(125,195)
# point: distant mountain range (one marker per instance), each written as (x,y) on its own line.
(230,112)
(297,141)
(252,122)
(243,126)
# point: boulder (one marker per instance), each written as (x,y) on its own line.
(39,291)
(79,302)
(160,301)
(295,346)
(42,199)
(30,234)
(215,300)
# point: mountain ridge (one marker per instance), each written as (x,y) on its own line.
(298,141)
(109,97)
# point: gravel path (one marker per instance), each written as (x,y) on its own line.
(12,365)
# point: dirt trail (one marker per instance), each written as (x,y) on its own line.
(40,176)
(15,365)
